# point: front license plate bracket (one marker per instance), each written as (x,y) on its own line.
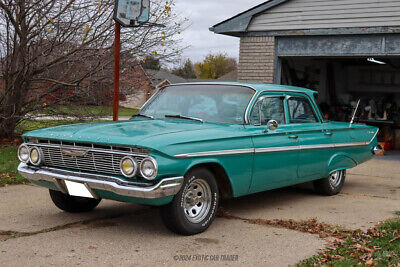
(79,190)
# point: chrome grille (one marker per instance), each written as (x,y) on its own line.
(96,160)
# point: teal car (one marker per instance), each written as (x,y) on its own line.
(194,144)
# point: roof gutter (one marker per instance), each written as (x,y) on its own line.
(239,23)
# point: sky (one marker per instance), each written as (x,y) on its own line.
(204,14)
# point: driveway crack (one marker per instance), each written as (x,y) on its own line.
(310,226)
(6,235)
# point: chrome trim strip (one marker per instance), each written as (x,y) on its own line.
(166,187)
(276,149)
(271,149)
(213,83)
(217,153)
(372,139)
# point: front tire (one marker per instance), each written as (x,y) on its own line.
(73,204)
(194,208)
(332,185)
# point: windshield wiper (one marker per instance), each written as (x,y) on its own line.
(183,117)
(144,116)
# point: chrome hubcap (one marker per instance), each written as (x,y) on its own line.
(197,200)
(335,178)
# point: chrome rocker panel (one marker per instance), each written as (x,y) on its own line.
(166,187)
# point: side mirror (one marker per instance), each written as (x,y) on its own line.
(272,125)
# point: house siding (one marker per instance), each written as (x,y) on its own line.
(322,14)
(257,60)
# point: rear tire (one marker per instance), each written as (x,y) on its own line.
(73,204)
(332,185)
(194,208)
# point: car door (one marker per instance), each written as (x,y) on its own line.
(276,157)
(314,141)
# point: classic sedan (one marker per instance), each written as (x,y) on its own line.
(193,144)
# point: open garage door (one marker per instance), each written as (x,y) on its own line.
(343,69)
(341,81)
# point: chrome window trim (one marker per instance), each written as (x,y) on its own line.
(313,107)
(262,97)
(319,116)
(220,84)
(256,95)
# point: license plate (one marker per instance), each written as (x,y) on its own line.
(78,190)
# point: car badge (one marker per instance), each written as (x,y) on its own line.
(74,152)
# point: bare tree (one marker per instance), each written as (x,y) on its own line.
(59,49)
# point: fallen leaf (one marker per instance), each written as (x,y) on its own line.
(394,239)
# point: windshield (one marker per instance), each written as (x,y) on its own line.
(210,103)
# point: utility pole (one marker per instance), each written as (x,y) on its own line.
(117,58)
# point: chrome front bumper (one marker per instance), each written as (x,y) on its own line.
(166,187)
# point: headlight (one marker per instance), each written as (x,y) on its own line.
(23,153)
(148,168)
(35,156)
(128,167)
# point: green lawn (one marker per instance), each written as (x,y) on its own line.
(8,155)
(27,126)
(103,111)
(376,247)
(8,167)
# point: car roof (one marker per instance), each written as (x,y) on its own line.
(258,87)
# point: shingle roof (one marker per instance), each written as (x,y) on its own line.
(239,23)
(159,76)
(229,77)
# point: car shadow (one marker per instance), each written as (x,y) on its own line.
(129,219)
(276,199)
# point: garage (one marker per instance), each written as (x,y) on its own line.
(347,50)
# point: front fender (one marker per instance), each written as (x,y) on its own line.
(238,169)
(340,161)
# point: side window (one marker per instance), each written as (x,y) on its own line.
(301,111)
(266,109)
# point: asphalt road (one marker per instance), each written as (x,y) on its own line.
(132,235)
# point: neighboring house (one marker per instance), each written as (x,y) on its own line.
(229,77)
(160,78)
(139,84)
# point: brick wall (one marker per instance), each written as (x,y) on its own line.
(257,57)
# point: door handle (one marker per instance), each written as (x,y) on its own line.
(294,137)
(328,133)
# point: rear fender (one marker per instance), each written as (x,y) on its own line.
(341,161)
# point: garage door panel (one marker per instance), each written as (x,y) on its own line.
(323,46)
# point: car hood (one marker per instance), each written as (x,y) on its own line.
(130,133)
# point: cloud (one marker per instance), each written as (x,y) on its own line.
(204,14)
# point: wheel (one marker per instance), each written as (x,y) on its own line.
(194,208)
(73,204)
(332,185)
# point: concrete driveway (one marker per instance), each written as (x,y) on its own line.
(125,234)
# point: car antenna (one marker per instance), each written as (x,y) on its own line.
(355,112)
